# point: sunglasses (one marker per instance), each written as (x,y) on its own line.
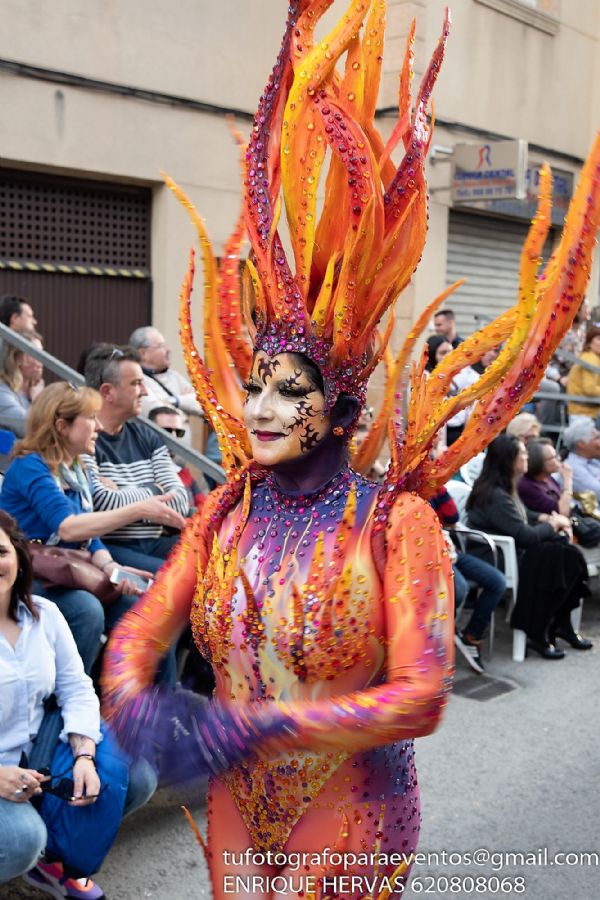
(176,432)
(115,354)
(64,789)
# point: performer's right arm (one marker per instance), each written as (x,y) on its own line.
(144,634)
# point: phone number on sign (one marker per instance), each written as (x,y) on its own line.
(467,884)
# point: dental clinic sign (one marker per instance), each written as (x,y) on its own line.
(491,171)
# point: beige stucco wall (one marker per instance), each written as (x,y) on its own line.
(499,75)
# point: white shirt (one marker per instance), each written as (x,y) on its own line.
(44,661)
(463,379)
(163,387)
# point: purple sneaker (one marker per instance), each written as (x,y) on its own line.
(50,878)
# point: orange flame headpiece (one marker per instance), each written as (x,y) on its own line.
(352,261)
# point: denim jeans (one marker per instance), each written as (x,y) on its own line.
(149,556)
(23,832)
(143,554)
(493,582)
(87,618)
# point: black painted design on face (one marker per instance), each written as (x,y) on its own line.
(304,411)
(309,438)
(267,367)
(293,382)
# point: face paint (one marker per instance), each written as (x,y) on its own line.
(284,410)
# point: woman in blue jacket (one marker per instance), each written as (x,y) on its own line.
(47,491)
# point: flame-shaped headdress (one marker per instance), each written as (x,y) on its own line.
(352,263)
(356,251)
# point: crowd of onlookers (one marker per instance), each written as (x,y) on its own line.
(88,473)
(91,503)
(521,487)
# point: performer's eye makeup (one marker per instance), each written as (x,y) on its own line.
(292,387)
(252,388)
(288,391)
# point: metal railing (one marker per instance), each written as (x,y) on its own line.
(66,373)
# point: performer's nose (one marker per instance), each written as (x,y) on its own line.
(263,408)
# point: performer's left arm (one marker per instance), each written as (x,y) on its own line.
(419,616)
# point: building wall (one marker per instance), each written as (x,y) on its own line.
(501,75)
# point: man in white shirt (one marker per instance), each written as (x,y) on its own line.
(164,385)
(582,439)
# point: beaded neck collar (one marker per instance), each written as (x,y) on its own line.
(337,485)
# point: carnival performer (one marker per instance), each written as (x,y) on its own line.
(322,600)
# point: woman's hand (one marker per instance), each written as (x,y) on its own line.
(157,510)
(36,389)
(560,523)
(129,587)
(566,473)
(86,782)
(19,785)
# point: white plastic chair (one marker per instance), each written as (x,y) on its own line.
(471,470)
(460,493)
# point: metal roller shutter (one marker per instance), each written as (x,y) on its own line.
(486,251)
(79,251)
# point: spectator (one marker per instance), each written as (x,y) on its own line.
(437,348)
(538,489)
(582,440)
(445,325)
(486,360)
(20,383)
(552,572)
(164,386)
(38,657)
(468,568)
(171,420)
(582,381)
(547,409)
(573,342)
(131,463)
(16,313)
(525,426)
(45,489)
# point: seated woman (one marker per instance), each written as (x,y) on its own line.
(20,383)
(46,490)
(538,490)
(38,657)
(552,572)
(469,568)
(583,381)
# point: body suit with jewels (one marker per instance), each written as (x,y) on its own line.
(324,601)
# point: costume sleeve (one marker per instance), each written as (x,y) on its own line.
(183,736)
(143,635)
(419,634)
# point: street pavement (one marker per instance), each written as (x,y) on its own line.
(514,773)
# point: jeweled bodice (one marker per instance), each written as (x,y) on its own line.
(286,600)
